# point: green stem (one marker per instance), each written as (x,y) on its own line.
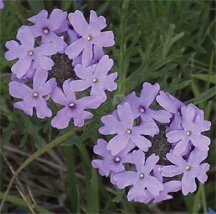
(34,156)
(72,191)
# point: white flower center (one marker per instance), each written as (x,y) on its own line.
(72,105)
(30,53)
(95,80)
(35,94)
(128,131)
(117,159)
(141,175)
(141,109)
(89,37)
(46,31)
(188,167)
(189,132)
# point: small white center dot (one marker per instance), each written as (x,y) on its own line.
(72,105)
(89,37)
(188,167)
(45,31)
(128,131)
(95,80)
(141,176)
(141,109)
(30,53)
(117,159)
(35,94)
(188,133)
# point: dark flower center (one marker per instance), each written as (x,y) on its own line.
(160,146)
(62,69)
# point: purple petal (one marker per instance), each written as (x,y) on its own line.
(201,142)
(150,163)
(124,110)
(59,97)
(19,90)
(138,158)
(70,95)
(87,54)
(124,179)
(118,143)
(100,147)
(110,85)
(22,106)
(161,116)
(73,50)
(45,62)
(149,93)
(170,171)
(15,51)
(26,37)
(141,142)
(43,14)
(188,184)
(39,79)
(57,17)
(21,67)
(80,117)
(105,39)
(99,164)
(62,118)
(175,136)
(180,147)
(104,66)
(99,21)
(79,85)
(153,185)
(79,22)
(177,160)
(111,125)
(42,109)
(202,176)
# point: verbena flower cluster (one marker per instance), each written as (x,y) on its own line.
(156,146)
(60,60)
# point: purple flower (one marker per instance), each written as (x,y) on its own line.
(190,169)
(110,164)
(95,76)
(33,97)
(172,105)
(1,4)
(47,28)
(126,131)
(140,179)
(170,186)
(73,107)
(90,35)
(27,54)
(192,127)
(141,105)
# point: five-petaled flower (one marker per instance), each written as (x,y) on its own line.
(27,54)
(90,34)
(190,169)
(33,97)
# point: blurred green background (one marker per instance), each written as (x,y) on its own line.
(169,42)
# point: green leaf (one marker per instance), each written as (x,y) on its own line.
(211,78)
(204,96)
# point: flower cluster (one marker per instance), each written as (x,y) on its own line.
(60,59)
(157,148)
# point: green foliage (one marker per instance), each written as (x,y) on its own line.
(169,42)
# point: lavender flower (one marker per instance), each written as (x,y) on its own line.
(192,126)
(90,36)
(47,28)
(27,54)
(109,164)
(141,179)
(41,46)
(126,131)
(73,108)
(190,169)
(33,97)
(96,77)
(141,105)
(157,145)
